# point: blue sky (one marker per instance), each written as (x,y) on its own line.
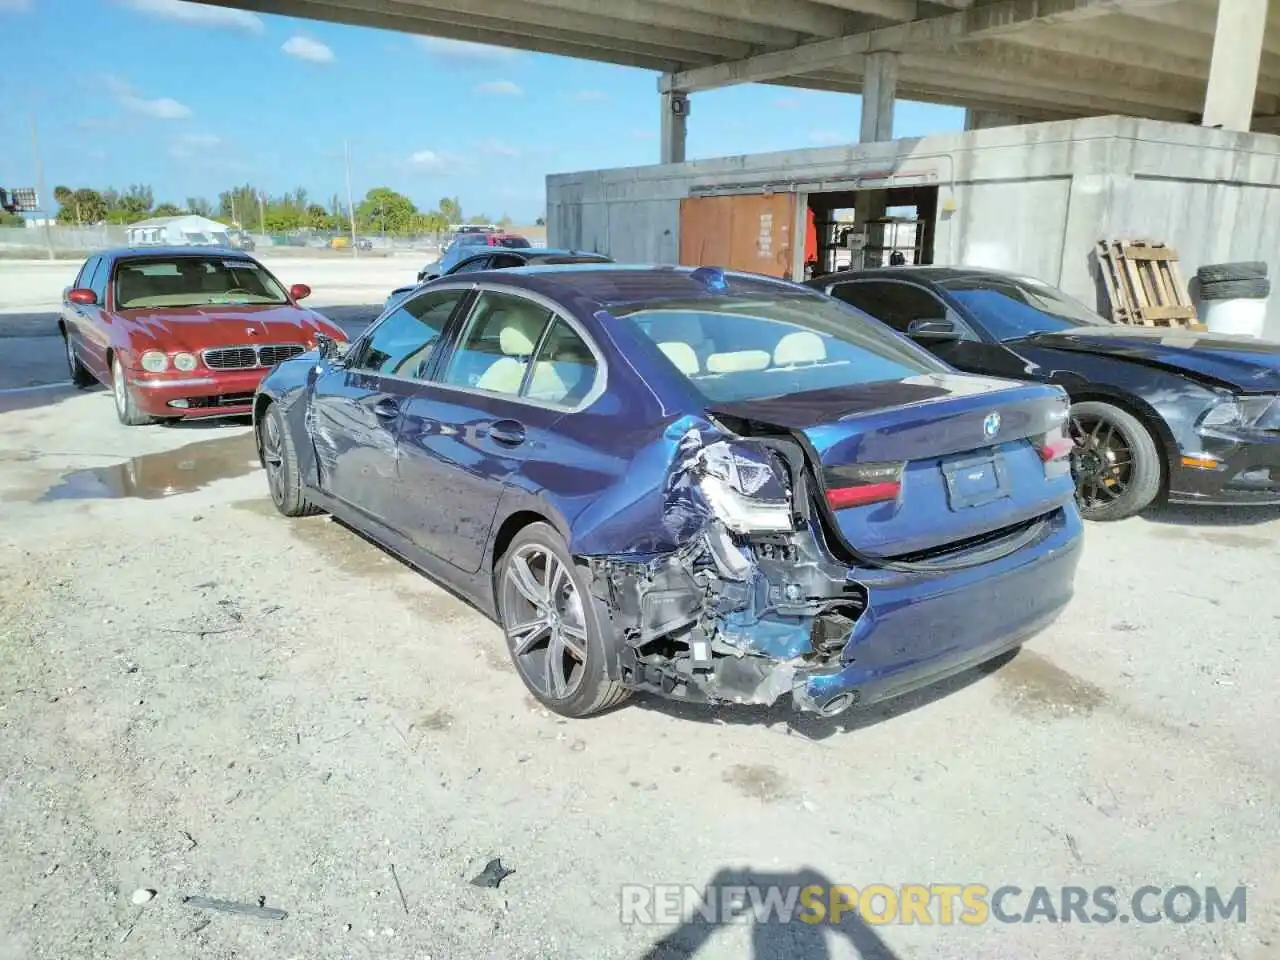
(193,99)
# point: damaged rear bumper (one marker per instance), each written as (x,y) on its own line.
(728,620)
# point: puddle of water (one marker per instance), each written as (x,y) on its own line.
(167,473)
(1034,685)
(1228,538)
(757,781)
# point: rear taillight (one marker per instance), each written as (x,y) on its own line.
(857,484)
(1055,449)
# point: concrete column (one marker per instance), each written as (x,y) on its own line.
(985,119)
(1233,71)
(675,114)
(879,91)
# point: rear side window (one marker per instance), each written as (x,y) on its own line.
(469,266)
(743,348)
(498,343)
(98,282)
(564,370)
(896,304)
(404,342)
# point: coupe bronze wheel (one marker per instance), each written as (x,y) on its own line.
(1116,463)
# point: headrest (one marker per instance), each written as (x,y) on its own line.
(518,332)
(739,361)
(802,346)
(682,355)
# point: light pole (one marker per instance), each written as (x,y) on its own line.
(35,150)
(351,212)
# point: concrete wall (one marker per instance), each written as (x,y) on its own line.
(1033,198)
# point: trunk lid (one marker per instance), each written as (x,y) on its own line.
(922,465)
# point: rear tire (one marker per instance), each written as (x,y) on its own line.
(552,630)
(81,378)
(126,400)
(1093,462)
(280,457)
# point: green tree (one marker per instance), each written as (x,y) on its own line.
(166,210)
(62,195)
(318,218)
(239,204)
(430,221)
(137,201)
(451,210)
(540,222)
(505,221)
(385,210)
(82,206)
(199,206)
(8,219)
(480,219)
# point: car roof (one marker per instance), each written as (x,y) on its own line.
(619,285)
(537,253)
(222,253)
(931,274)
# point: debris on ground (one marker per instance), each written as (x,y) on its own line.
(143,895)
(258,910)
(399,889)
(492,874)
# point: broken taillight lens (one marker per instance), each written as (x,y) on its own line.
(858,484)
(1055,449)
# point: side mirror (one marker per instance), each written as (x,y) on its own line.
(82,295)
(933,330)
(299,291)
(331,351)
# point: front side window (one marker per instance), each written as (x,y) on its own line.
(776,344)
(896,304)
(98,281)
(404,341)
(472,265)
(194,282)
(1011,308)
(497,344)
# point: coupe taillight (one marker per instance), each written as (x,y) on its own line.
(858,484)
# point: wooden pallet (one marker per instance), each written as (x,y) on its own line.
(1144,284)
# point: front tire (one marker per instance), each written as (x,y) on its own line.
(81,378)
(280,458)
(126,400)
(1116,461)
(553,633)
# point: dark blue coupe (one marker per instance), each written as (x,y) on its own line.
(713,486)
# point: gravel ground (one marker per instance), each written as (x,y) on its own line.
(202,698)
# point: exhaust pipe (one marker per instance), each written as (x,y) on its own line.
(838,704)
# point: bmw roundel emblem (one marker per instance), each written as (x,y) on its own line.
(991,425)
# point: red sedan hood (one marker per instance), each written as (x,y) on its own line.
(198,328)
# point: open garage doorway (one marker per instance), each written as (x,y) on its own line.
(861,229)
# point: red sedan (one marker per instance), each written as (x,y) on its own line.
(181,333)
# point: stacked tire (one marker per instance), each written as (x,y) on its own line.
(1233,297)
(1246,280)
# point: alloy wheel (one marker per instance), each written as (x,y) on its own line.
(1102,461)
(118,387)
(544,622)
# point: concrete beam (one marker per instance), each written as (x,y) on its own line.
(990,20)
(879,93)
(801,16)
(476,30)
(986,119)
(899,10)
(1233,73)
(687,18)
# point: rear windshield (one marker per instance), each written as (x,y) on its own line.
(194,282)
(514,242)
(746,348)
(1011,308)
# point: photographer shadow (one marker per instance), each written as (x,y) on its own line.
(773,937)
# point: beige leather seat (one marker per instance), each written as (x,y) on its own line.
(517,336)
(682,355)
(738,361)
(803,346)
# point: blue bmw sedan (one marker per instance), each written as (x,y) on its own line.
(712,486)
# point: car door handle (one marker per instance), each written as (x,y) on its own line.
(386,409)
(509,432)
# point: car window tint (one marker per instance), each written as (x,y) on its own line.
(405,341)
(98,282)
(564,369)
(896,304)
(1012,308)
(469,266)
(497,343)
(505,261)
(86,271)
(769,345)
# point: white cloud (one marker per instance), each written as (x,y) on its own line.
(428,161)
(199,15)
(193,144)
(502,88)
(304,48)
(161,108)
(462,50)
(829,138)
(590,96)
(496,148)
